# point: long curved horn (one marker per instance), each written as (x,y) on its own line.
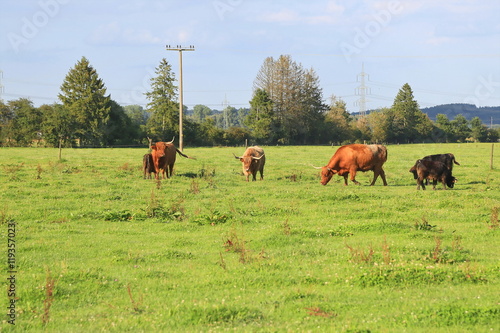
(172,140)
(236,157)
(315,167)
(257,158)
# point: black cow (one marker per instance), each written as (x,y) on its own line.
(148,166)
(432,170)
(447,159)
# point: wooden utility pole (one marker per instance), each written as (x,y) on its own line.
(181,111)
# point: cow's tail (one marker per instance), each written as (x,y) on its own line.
(183,155)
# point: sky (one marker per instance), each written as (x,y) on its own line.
(447,51)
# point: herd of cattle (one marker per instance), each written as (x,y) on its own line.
(346,161)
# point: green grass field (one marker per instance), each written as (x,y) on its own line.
(99,248)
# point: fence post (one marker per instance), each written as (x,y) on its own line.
(491,160)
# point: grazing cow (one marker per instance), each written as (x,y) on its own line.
(253,160)
(432,170)
(447,159)
(148,166)
(356,157)
(164,155)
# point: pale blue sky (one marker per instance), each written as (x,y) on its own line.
(448,51)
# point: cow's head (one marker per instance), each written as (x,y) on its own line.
(450,181)
(326,174)
(157,152)
(248,161)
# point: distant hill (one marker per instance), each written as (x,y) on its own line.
(487,114)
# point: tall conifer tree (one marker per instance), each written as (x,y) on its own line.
(164,120)
(83,94)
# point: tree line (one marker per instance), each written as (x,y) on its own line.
(287,107)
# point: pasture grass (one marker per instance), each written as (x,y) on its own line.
(101,249)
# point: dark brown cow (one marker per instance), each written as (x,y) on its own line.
(356,157)
(434,171)
(148,166)
(447,159)
(253,161)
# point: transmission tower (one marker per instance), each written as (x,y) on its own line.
(362,90)
(225,110)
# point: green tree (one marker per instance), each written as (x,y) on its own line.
(139,118)
(25,126)
(337,121)
(479,132)
(6,116)
(57,125)
(444,124)
(379,123)
(83,94)
(260,119)
(164,120)
(407,117)
(120,130)
(460,128)
(200,112)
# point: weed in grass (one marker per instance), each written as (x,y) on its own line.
(437,254)
(447,255)
(222,262)
(177,210)
(195,187)
(286,228)
(50,283)
(494,218)
(212,218)
(136,305)
(316,311)
(124,215)
(294,177)
(423,224)
(155,209)
(360,256)
(39,171)
(12,170)
(386,252)
(235,243)
(4,219)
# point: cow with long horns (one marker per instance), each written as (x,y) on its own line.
(253,161)
(352,158)
(164,155)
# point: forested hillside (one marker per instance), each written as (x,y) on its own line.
(486,114)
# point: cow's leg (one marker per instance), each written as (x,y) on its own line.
(353,177)
(434,182)
(261,174)
(382,175)
(345,179)
(254,175)
(375,176)
(170,171)
(420,182)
